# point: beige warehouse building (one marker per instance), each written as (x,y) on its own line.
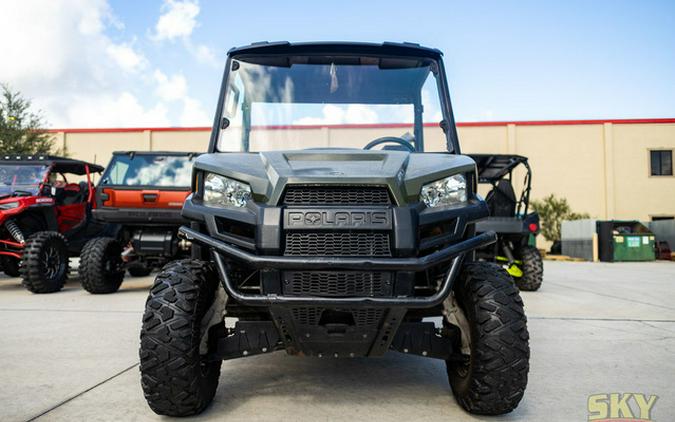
(611,169)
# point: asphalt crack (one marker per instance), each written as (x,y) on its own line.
(73,397)
(647,323)
(600,319)
(70,311)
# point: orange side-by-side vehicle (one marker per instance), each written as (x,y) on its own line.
(142,193)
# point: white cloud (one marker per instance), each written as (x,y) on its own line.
(65,61)
(123,110)
(488,115)
(193,114)
(205,55)
(170,88)
(332,115)
(172,171)
(46,52)
(174,88)
(178,20)
(359,114)
(126,58)
(72,70)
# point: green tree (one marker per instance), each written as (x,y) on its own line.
(552,211)
(21,130)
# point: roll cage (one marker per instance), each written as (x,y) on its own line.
(494,168)
(58,165)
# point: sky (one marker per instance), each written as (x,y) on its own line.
(99,63)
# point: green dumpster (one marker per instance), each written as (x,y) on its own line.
(625,241)
(633,247)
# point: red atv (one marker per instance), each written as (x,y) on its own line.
(45,217)
(141,194)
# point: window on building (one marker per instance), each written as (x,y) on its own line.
(662,162)
(662,217)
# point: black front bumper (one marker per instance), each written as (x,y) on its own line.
(454,253)
(421,240)
(423,258)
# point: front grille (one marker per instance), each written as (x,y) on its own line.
(337,244)
(363,318)
(337,284)
(336,195)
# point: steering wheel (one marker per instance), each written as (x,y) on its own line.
(393,139)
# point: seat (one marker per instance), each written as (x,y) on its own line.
(59,194)
(84,190)
(501,200)
(72,194)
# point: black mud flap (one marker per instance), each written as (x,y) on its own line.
(247,338)
(422,338)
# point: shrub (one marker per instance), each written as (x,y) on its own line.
(552,211)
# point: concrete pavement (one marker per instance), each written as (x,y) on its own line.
(595,328)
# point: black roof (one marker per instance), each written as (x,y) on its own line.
(493,167)
(62,164)
(335,47)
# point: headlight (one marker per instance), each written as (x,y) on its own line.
(444,192)
(9,205)
(221,191)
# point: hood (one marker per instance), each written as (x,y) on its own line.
(268,173)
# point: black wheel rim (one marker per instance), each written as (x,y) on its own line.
(112,266)
(52,262)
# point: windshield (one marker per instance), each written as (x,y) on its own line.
(297,102)
(149,170)
(21,179)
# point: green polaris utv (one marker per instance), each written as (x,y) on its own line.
(323,225)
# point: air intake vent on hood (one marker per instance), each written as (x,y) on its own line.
(336,195)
